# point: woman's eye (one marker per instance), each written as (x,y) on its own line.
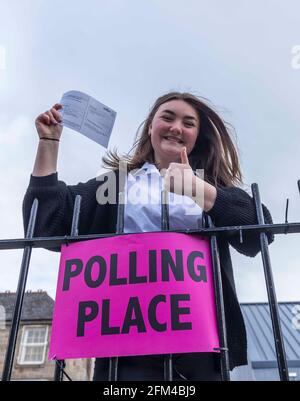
(187,124)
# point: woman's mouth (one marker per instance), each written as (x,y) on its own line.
(173,139)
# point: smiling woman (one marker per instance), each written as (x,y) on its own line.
(202,131)
(181,135)
(175,125)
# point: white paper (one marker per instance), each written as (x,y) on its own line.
(86,115)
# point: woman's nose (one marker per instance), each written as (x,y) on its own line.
(176,127)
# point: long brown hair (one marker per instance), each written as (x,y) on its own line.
(214,150)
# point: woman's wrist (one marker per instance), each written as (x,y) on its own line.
(204,194)
(45,138)
(46,158)
(210,195)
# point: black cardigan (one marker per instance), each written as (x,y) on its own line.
(233,207)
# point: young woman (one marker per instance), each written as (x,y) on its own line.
(181,135)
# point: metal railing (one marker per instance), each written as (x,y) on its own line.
(207,229)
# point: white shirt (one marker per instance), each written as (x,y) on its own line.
(143,204)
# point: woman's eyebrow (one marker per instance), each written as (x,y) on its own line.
(174,114)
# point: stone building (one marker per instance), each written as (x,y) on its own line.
(31,362)
(31,355)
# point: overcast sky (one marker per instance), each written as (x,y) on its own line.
(237,53)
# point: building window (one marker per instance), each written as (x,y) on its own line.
(33,345)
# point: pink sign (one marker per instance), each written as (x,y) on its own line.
(134,294)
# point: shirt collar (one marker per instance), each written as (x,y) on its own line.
(147,168)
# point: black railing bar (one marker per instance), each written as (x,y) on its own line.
(220,309)
(12,340)
(286,211)
(61,368)
(273,305)
(165,226)
(48,242)
(76,216)
(60,364)
(165,219)
(113,362)
(168,367)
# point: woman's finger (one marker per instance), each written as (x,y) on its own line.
(184,157)
(57,106)
(56,114)
(43,118)
(52,118)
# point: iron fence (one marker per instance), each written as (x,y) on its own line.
(206,228)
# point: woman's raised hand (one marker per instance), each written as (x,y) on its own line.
(48,124)
(179,177)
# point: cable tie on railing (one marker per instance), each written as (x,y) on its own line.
(61,367)
(67,242)
(59,364)
(221,349)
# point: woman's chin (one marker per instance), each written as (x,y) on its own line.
(172,150)
(168,157)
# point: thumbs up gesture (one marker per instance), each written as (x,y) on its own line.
(184,157)
(179,177)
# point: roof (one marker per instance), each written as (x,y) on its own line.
(261,346)
(36,306)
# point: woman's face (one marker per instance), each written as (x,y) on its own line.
(175,125)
